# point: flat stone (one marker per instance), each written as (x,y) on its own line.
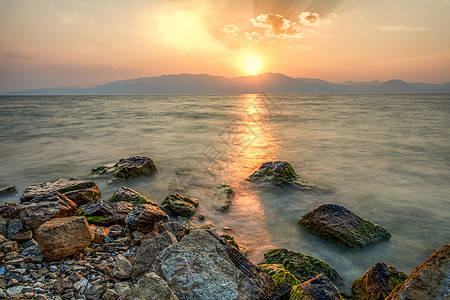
(22,237)
(223,196)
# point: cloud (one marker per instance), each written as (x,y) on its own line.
(230,30)
(402,28)
(15,55)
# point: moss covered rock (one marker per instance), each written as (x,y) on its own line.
(338,224)
(105,213)
(303,267)
(279,274)
(377,283)
(7,190)
(180,205)
(317,288)
(127,168)
(129,195)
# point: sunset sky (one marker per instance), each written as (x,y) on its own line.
(82,43)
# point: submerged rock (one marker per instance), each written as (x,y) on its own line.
(317,288)
(223,195)
(203,266)
(430,280)
(79,191)
(144,217)
(62,237)
(377,283)
(281,174)
(105,213)
(303,267)
(7,190)
(129,195)
(180,205)
(150,287)
(128,168)
(338,224)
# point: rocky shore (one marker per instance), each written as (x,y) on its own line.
(64,242)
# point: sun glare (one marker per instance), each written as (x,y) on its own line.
(252,64)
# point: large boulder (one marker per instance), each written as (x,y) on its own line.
(180,205)
(105,213)
(223,195)
(129,195)
(203,266)
(430,280)
(79,191)
(128,168)
(338,224)
(317,288)
(62,237)
(150,287)
(303,267)
(8,190)
(149,250)
(144,217)
(281,174)
(377,283)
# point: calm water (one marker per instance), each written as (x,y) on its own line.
(387,158)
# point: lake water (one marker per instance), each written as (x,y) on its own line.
(386,157)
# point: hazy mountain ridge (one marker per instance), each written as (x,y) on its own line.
(268,83)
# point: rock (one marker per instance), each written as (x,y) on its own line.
(62,237)
(115,231)
(22,237)
(94,291)
(178,229)
(63,186)
(202,266)
(144,217)
(128,168)
(100,233)
(8,246)
(223,194)
(105,213)
(283,292)
(3,225)
(338,224)
(303,267)
(129,195)
(123,267)
(150,287)
(7,190)
(14,227)
(279,274)
(317,288)
(281,174)
(180,205)
(122,288)
(110,294)
(377,283)
(230,240)
(430,280)
(149,250)
(15,290)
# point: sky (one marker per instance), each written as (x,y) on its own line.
(54,43)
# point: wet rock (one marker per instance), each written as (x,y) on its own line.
(303,267)
(283,292)
(123,267)
(144,217)
(8,190)
(129,195)
(430,280)
(317,288)
(3,225)
(338,224)
(115,231)
(14,227)
(149,250)
(180,205)
(178,229)
(22,237)
(8,246)
(281,174)
(62,237)
(377,283)
(63,186)
(104,213)
(223,195)
(202,265)
(150,287)
(100,233)
(128,168)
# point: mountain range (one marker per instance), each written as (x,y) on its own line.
(268,83)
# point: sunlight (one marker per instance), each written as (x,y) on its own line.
(252,64)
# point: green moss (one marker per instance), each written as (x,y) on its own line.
(270,269)
(180,205)
(298,294)
(284,276)
(231,241)
(396,278)
(94,219)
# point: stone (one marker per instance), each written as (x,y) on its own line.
(8,246)
(8,190)
(317,288)
(63,186)
(150,287)
(122,288)
(105,213)
(302,266)
(180,205)
(22,237)
(280,174)
(100,233)
(128,168)
(109,294)
(149,250)
(338,224)
(223,196)
(3,225)
(14,227)
(144,217)
(430,280)
(129,195)
(377,283)
(83,196)
(81,284)
(178,229)
(94,291)
(202,266)
(123,267)
(115,231)
(61,237)
(14,290)
(283,292)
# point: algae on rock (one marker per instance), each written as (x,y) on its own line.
(180,205)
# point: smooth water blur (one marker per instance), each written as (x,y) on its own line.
(386,157)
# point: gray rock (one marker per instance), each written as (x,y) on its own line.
(202,266)
(283,292)
(3,225)
(129,195)
(105,213)
(122,288)
(318,288)
(144,217)
(180,205)
(178,229)
(149,250)
(14,227)
(338,224)
(94,291)
(128,168)
(22,237)
(14,290)
(123,267)
(223,195)
(110,294)
(7,190)
(150,287)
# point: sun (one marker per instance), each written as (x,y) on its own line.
(252,64)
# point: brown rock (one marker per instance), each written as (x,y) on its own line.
(100,233)
(9,246)
(318,288)
(144,217)
(62,237)
(22,237)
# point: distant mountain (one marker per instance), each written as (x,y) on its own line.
(268,83)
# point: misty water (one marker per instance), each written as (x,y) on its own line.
(386,157)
